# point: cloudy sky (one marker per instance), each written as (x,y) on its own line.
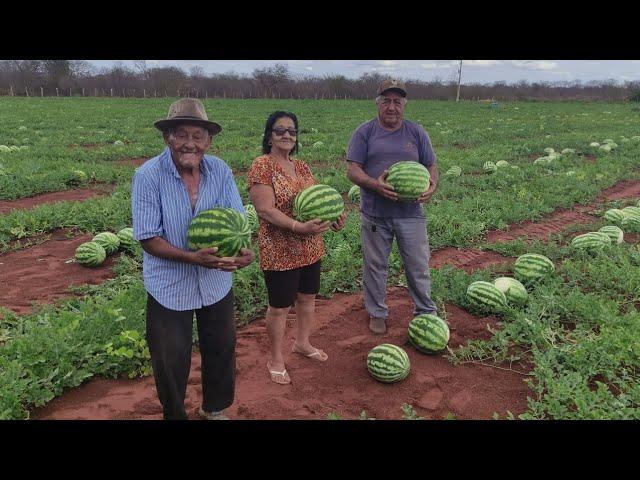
(483,71)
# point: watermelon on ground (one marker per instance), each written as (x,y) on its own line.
(126,237)
(109,241)
(454,171)
(591,241)
(615,233)
(354,194)
(614,215)
(489,167)
(513,290)
(532,266)
(388,363)
(90,254)
(252,217)
(224,228)
(428,333)
(409,180)
(318,201)
(486,296)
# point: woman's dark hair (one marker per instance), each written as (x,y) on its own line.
(266,148)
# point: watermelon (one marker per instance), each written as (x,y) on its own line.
(591,241)
(225,228)
(126,237)
(631,211)
(454,171)
(549,151)
(566,151)
(631,222)
(428,333)
(90,254)
(502,163)
(543,160)
(594,144)
(409,180)
(252,217)
(615,233)
(388,363)
(532,266)
(513,290)
(605,148)
(614,215)
(318,201)
(486,296)
(489,167)
(78,177)
(109,241)
(354,194)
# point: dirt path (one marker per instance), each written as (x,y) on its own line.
(77,194)
(343,386)
(41,273)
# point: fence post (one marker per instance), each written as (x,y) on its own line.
(123,94)
(144,93)
(26,91)
(112,92)
(11,90)
(42,92)
(206,94)
(69,91)
(57,94)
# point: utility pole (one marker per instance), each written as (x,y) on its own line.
(459,77)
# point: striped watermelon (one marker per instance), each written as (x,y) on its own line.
(78,177)
(631,211)
(252,217)
(126,237)
(631,222)
(90,254)
(591,241)
(109,241)
(513,290)
(568,151)
(543,160)
(354,194)
(532,266)
(489,167)
(502,163)
(615,233)
(225,228)
(388,363)
(486,296)
(614,215)
(409,180)
(428,333)
(454,171)
(318,201)
(549,151)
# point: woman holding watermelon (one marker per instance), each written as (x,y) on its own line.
(290,251)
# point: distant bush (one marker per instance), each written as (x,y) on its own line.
(635,97)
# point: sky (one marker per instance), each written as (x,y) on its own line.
(473,71)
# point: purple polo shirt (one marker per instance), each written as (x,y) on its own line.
(376,149)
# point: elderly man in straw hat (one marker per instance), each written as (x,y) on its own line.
(168,191)
(373,148)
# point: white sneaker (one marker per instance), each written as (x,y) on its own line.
(212,415)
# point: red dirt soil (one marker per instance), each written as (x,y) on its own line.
(41,274)
(621,190)
(64,195)
(468,260)
(342,385)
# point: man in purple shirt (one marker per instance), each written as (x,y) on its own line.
(373,148)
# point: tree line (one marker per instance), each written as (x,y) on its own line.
(80,78)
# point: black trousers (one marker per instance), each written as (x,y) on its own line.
(169,336)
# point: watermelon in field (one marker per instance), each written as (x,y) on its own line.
(549,151)
(489,167)
(428,333)
(388,363)
(631,222)
(591,241)
(532,266)
(126,237)
(354,194)
(568,151)
(502,163)
(90,254)
(318,201)
(109,241)
(513,290)
(225,228)
(486,296)
(615,233)
(631,211)
(614,215)
(454,171)
(78,177)
(252,217)
(409,180)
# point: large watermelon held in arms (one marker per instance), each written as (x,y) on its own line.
(409,180)
(428,333)
(318,201)
(225,228)
(388,363)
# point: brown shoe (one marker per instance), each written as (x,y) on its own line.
(378,325)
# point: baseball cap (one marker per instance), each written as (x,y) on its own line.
(392,85)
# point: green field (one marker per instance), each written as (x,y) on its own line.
(580,332)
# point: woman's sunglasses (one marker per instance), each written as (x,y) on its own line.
(280,131)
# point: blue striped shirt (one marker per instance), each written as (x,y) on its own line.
(161,208)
